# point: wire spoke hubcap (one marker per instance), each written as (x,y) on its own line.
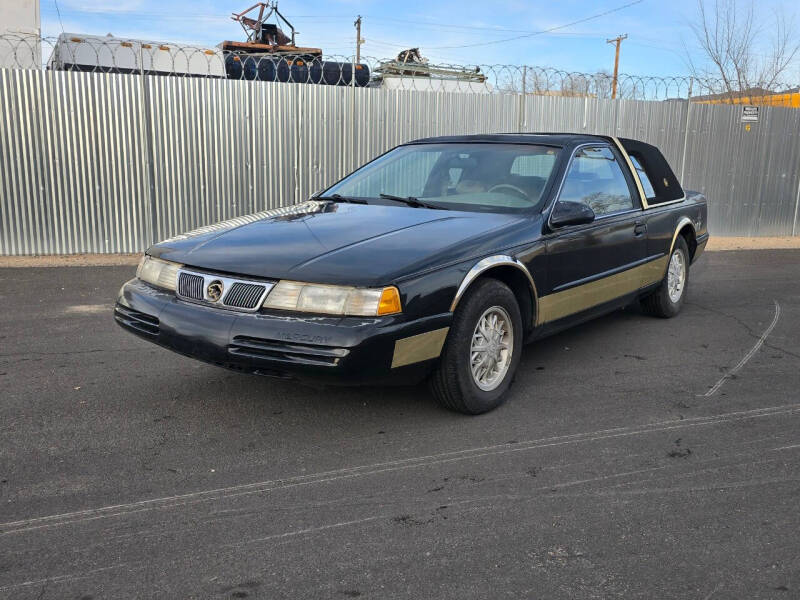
(491,349)
(676,276)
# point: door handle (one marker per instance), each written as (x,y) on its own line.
(639,228)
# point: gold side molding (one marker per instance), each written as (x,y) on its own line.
(417,348)
(581,297)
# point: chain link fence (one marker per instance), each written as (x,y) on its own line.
(408,71)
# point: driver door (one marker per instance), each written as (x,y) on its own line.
(591,265)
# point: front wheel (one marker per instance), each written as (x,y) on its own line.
(667,300)
(482,351)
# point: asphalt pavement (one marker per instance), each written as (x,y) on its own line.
(635,458)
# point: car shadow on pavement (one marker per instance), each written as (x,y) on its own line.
(264,397)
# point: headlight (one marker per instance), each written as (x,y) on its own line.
(334,299)
(161,273)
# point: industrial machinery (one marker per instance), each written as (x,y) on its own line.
(270,54)
(410,70)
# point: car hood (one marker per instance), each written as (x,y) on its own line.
(339,243)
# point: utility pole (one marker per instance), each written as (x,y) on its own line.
(359,41)
(617,40)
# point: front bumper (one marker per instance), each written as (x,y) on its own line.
(329,349)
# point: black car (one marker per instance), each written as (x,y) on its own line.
(436,260)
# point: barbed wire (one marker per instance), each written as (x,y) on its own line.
(408,71)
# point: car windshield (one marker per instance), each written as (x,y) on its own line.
(473,177)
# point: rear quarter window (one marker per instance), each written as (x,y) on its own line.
(658,179)
(649,192)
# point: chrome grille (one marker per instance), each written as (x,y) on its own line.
(243,295)
(190,286)
(237,294)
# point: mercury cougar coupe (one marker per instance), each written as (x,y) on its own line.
(436,260)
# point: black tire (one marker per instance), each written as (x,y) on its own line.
(452,384)
(659,303)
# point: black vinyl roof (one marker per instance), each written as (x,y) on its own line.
(550,139)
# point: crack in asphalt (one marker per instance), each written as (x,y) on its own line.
(722,313)
(779,349)
(69,352)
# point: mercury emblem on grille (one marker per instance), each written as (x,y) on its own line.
(214,290)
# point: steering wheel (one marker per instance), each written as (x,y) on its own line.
(513,188)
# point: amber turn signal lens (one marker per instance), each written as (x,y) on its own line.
(390,302)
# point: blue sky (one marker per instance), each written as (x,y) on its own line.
(445,30)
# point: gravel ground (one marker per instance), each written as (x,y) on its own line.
(127,471)
(754,243)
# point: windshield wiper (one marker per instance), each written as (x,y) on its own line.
(411,201)
(340,198)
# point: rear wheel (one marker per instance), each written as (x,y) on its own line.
(667,300)
(482,351)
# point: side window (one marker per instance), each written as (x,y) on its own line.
(596,179)
(649,192)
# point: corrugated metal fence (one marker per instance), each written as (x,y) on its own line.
(94,162)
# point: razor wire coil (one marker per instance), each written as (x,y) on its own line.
(73,52)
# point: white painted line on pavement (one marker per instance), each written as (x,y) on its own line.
(182,500)
(747,356)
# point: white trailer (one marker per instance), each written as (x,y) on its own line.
(108,54)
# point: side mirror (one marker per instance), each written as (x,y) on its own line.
(571,213)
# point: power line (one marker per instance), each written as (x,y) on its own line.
(59,15)
(169,15)
(433,24)
(134,14)
(574,35)
(519,37)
